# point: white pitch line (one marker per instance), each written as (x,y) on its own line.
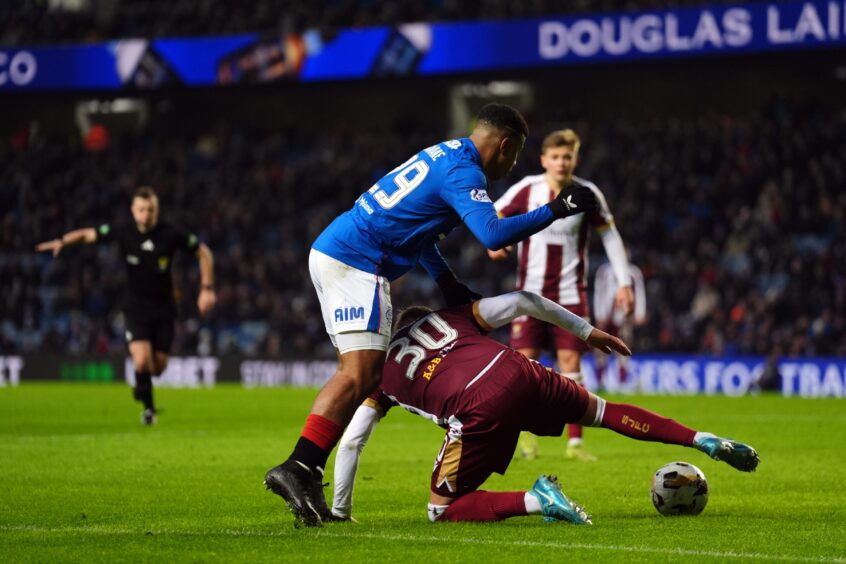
(586,546)
(106,530)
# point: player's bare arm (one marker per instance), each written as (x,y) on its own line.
(207,297)
(85,236)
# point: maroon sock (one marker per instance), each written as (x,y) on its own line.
(486,506)
(641,424)
(574,431)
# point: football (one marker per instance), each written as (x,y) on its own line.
(679,488)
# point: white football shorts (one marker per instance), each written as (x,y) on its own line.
(356,305)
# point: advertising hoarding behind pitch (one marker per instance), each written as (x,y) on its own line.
(422,49)
(645,374)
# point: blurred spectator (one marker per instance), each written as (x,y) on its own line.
(40,21)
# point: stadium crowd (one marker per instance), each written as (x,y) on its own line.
(40,21)
(737,223)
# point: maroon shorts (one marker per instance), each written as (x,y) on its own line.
(531,333)
(517,395)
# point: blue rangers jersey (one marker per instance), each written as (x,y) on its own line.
(396,223)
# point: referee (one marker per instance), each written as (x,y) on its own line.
(148,246)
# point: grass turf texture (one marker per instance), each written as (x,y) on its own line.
(82,480)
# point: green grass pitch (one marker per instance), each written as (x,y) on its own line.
(81,480)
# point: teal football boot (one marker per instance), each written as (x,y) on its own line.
(556,506)
(735,454)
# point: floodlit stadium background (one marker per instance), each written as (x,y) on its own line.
(717,133)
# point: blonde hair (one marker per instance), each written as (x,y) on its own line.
(562,138)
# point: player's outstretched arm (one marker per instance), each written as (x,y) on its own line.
(496,232)
(501,310)
(347,458)
(86,235)
(207,298)
(480,216)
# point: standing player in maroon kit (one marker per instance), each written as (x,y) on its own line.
(442,366)
(553,263)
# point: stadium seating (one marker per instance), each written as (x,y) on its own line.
(737,222)
(33,21)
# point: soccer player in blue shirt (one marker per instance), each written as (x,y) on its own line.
(391,228)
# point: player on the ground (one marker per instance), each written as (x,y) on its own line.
(553,263)
(148,246)
(612,319)
(442,366)
(390,228)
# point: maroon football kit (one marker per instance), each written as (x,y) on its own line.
(443,367)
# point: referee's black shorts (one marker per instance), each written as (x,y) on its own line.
(153,326)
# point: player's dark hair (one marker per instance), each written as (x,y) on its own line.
(411,314)
(144,192)
(504,117)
